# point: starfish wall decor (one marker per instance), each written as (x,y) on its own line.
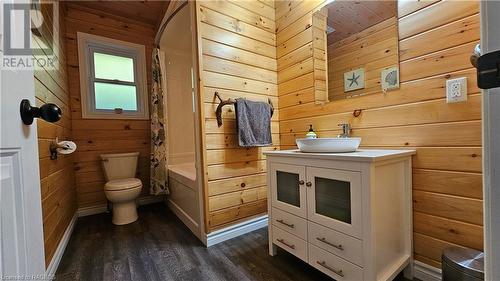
(354,80)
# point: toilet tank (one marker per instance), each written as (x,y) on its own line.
(119,165)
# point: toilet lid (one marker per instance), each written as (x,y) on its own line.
(122,184)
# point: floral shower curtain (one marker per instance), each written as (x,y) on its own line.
(159,156)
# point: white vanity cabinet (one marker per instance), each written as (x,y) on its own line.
(347,214)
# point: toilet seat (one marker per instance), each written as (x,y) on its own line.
(122,184)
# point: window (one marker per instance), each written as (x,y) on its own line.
(112,78)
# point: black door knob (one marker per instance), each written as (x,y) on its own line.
(48,112)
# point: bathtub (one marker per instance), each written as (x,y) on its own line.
(184,196)
(185,172)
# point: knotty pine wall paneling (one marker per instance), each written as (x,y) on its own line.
(98,136)
(237,53)
(435,41)
(56,176)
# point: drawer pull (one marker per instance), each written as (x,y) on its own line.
(282,241)
(338,272)
(291,225)
(323,239)
(301,182)
(309,184)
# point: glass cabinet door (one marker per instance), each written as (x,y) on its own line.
(287,188)
(334,199)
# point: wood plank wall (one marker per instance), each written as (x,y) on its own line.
(237,52)
(373,49)
(57,177)
(93,136)
(436,39)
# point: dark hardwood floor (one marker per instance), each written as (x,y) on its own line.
(159,247)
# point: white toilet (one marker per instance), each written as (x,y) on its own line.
(122,188)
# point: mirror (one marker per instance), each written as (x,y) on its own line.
(355,49)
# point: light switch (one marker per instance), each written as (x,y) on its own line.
(456,90)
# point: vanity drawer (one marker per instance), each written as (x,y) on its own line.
(333,266)
(290,243)
(291,223)
(342,245)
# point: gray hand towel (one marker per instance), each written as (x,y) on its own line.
(253,120)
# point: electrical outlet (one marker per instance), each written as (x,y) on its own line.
(456,90)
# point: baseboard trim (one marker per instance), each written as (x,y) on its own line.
(426,272)
(92,210)
(103,208)
(50,273)
(236,230)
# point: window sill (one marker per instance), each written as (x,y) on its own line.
(116,117)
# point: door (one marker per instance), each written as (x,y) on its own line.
(21,229)
(490,42)
(287,188)
(334,199)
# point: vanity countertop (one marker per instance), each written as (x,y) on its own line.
(361,155)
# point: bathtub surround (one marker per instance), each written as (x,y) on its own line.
(178,56)
(159,153)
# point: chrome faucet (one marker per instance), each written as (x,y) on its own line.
(346,130)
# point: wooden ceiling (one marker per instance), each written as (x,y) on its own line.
(148,13)
(349,17)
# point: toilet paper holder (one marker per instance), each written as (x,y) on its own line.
(57,147)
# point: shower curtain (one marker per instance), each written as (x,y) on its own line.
(159,155)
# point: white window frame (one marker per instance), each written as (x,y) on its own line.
(87,45)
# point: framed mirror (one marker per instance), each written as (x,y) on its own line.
(355,49)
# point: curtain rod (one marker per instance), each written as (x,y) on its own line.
(164,25)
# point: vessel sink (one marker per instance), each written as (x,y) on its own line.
(325,145)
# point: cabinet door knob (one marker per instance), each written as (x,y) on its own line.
(301,182)
(309,184)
